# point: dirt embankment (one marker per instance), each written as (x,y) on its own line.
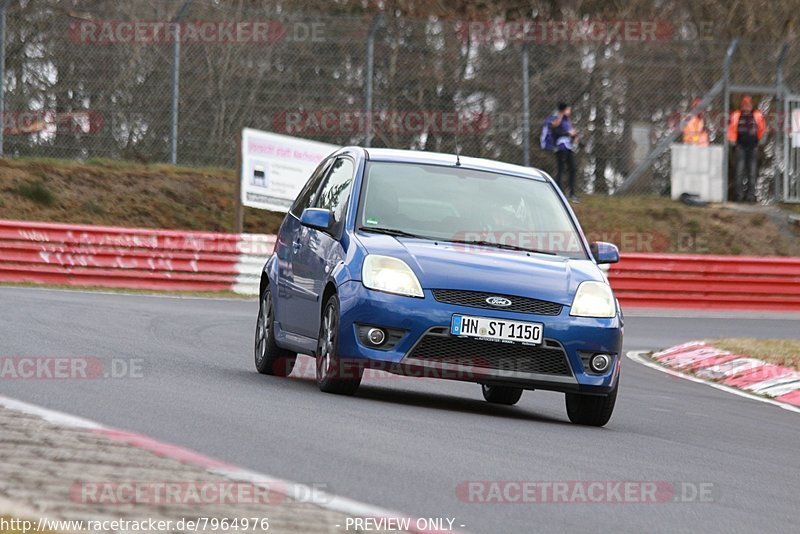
(121,193)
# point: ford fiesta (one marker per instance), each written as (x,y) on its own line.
(437,266)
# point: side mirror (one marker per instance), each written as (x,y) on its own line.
(604,252)
(317,218)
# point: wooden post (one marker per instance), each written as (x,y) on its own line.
(238,224)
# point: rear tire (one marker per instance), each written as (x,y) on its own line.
(506,395)
(269,357)
(333,374)
(591,410)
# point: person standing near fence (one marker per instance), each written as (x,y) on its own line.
(695,133)
(745,130)
(562,137)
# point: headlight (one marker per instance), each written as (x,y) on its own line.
(385,273)
(593,299)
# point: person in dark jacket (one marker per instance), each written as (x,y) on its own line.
(564,136)
(745,130)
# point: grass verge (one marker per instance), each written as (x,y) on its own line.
(784,352)
(123,193)
(130,194)
(658,224)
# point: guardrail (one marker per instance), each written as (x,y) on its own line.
(707,282)
(82,255)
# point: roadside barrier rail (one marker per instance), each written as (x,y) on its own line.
(134,258)
(707,282)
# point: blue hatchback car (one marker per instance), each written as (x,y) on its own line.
(435,265)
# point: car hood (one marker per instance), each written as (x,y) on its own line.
(443,265)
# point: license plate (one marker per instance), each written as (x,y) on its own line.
(497,329)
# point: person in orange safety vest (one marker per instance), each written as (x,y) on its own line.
(695,133)
(745,130)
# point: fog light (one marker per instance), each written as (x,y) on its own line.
(600,363)
(376,336)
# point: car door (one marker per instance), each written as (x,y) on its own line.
(288,308)
(322,250)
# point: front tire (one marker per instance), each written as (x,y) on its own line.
(333,374)
(591,410)
(269,357)
(506,395)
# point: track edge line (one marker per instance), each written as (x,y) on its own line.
(638,357)
(330,502)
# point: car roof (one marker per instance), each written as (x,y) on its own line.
(438,158)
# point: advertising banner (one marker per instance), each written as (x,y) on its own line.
(275,167)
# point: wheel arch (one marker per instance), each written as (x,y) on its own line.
(330,289)
(264,283)
(268,273)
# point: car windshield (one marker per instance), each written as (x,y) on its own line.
(467,206)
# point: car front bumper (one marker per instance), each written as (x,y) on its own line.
(423,326)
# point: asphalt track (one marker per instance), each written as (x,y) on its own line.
(406,444)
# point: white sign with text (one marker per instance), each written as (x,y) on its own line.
(275,167)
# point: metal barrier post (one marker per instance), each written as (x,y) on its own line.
(377,22)
(779,132)
(176,75)
(526,108)
(3,6)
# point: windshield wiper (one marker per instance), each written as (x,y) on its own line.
(504,246)
(390,231)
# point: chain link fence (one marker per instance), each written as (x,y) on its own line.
(95,79)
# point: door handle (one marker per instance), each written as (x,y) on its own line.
(296,245)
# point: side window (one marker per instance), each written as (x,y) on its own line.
(307,195)
(336,191)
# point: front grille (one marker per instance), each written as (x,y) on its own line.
(547,359)
(477,299)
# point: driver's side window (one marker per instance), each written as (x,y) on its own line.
(308,194)
(335,193)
